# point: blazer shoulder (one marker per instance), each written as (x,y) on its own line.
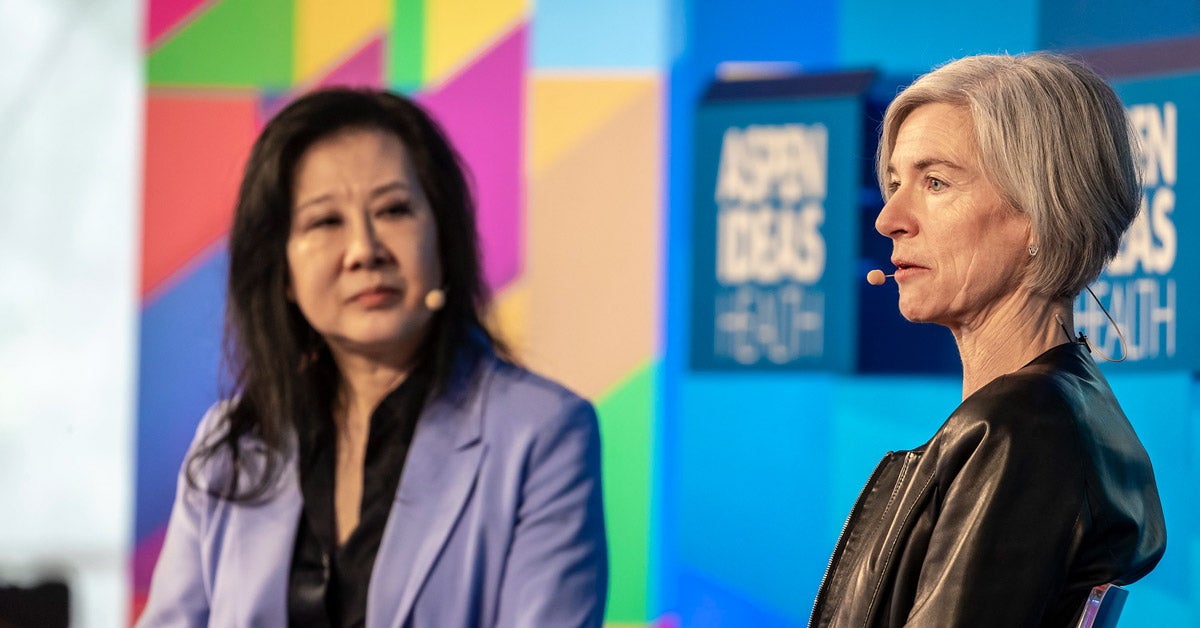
(212,426)
(516,395)
(521,384)
(212,472)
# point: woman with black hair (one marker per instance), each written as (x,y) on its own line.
(381,462)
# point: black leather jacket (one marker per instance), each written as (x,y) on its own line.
(1034,490)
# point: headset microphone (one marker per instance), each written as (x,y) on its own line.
(435,299)
(876,277)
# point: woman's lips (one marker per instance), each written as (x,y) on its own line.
(376,297)
(905,270)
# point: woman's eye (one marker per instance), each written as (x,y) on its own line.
(324,221)
(396,209)
(892,186)
(936,185)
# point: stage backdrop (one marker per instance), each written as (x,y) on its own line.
(725,485)
(759,464)
(775,223)
(557,112)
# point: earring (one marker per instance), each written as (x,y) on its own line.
(1033,249)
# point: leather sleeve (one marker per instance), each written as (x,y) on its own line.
(1011,497)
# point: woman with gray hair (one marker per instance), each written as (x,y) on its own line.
(1009,181)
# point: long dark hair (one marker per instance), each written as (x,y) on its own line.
(284,379)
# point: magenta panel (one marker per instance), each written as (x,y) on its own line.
(483,110)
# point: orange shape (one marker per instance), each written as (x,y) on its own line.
(592,263)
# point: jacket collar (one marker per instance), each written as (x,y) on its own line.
(437,480)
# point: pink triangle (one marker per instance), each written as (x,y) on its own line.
(164,16)
(482,108)
(363,69)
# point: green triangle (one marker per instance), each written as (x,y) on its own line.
(627,431)
(235,43)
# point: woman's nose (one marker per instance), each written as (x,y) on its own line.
(365,249)
(895,219)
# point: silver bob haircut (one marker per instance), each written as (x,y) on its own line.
(1054,139)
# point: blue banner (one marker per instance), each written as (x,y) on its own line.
(775,233)
(1150,287)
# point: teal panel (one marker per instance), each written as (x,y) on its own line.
(911,40)
(1075,24)
(1163,410)
(749,475)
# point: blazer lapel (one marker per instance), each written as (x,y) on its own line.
(439,475)
(259,538)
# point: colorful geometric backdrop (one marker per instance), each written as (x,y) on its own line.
(557,158)
(724,492)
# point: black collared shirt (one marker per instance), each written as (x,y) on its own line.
(327,584)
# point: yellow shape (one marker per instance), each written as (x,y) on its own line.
(564,111)
(329,31)
(510,315)
(458,30)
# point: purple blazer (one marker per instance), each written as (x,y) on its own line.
(497,521)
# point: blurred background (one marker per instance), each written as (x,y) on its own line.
(676,201)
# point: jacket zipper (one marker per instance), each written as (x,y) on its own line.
(841,542)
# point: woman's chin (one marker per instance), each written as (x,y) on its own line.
(917,313)
(911,310)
